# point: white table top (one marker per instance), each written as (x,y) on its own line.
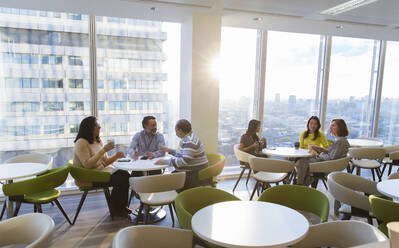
(365,143)
(381,244)
(12,171)
(389,188)
(249,224)
(141,165)
(287,152)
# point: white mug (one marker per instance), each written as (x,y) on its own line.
(393,231)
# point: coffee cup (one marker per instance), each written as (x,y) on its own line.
(393,232)
(296,145)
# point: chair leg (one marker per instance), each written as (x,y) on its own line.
(379,174)
(17,207)
(358,170)
(324,182)
(253,191)
(147,213)
(39,208)
(108,199)
(80,205)
(239,178)
(390,169)
(3,210)
(372,172)
(34,208)
(139,214)
(171,214)
(346,216)
(62,211)
(370,220)
(249,175)
(131,196)
(52,204)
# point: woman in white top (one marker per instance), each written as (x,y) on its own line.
(90,153)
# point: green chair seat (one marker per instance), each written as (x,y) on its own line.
(216,165)
(385,211)
(43,197)
(298,197)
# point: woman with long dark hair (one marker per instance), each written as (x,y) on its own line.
(250,142)
(312,135)
(90,153)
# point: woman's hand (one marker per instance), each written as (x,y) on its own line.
(160,162)
(109,146)
(119,155)
(314,153)
(164,148)
(255,145)
(263,139)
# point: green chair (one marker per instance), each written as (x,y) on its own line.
(188,202)
(300,198)
(97,179)
(385,211)
(39,190)
(208,175)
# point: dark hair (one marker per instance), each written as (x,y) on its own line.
(146,120)
(252,126)
(342,128)
(86,129)
(316,132)
(184,125)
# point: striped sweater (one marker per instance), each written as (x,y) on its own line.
(190,154)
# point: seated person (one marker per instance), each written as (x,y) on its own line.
(190,155)
(147,143)
(250,142)
(90,153)
(338,149)
(312,134)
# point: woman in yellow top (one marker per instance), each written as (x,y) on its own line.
(312,134)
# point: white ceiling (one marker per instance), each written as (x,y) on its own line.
(378,20)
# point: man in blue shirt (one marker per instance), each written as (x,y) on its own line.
(147,143)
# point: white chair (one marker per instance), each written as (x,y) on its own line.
(32,158)
(352,190)
(269,171)
(35,230)
(392,161)
(242,157)
(341,234)
(320,170)
(368,158)
(157,190)
(152,237)
(28,158)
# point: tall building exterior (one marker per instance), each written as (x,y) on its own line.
(45,79)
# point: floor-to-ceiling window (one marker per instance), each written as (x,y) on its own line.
(388,123)
(237,77)
(291,85)
(351,88)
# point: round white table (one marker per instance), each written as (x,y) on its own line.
(259,224)
(11,171)
(141,165)
(365,143)
(287,152)
(389,188)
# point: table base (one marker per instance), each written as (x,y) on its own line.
(156,215)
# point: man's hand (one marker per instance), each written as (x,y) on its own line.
(164,148)
(150,155)
(136,155)
(160,162)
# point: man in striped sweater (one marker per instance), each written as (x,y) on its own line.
(189,156)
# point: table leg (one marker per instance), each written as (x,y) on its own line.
(10,204)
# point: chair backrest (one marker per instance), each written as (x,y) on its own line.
(350,189)
(393,148)
(32,158)
(188,202)
(329,165)
(34,229)
(158,183)
(367,153)
(340,234)
(88,175)
(394,176)
(240,155)
(49,180)
(384,210)
(150,236)
(300,198)
(216,165)
(394,155)
(270,165)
